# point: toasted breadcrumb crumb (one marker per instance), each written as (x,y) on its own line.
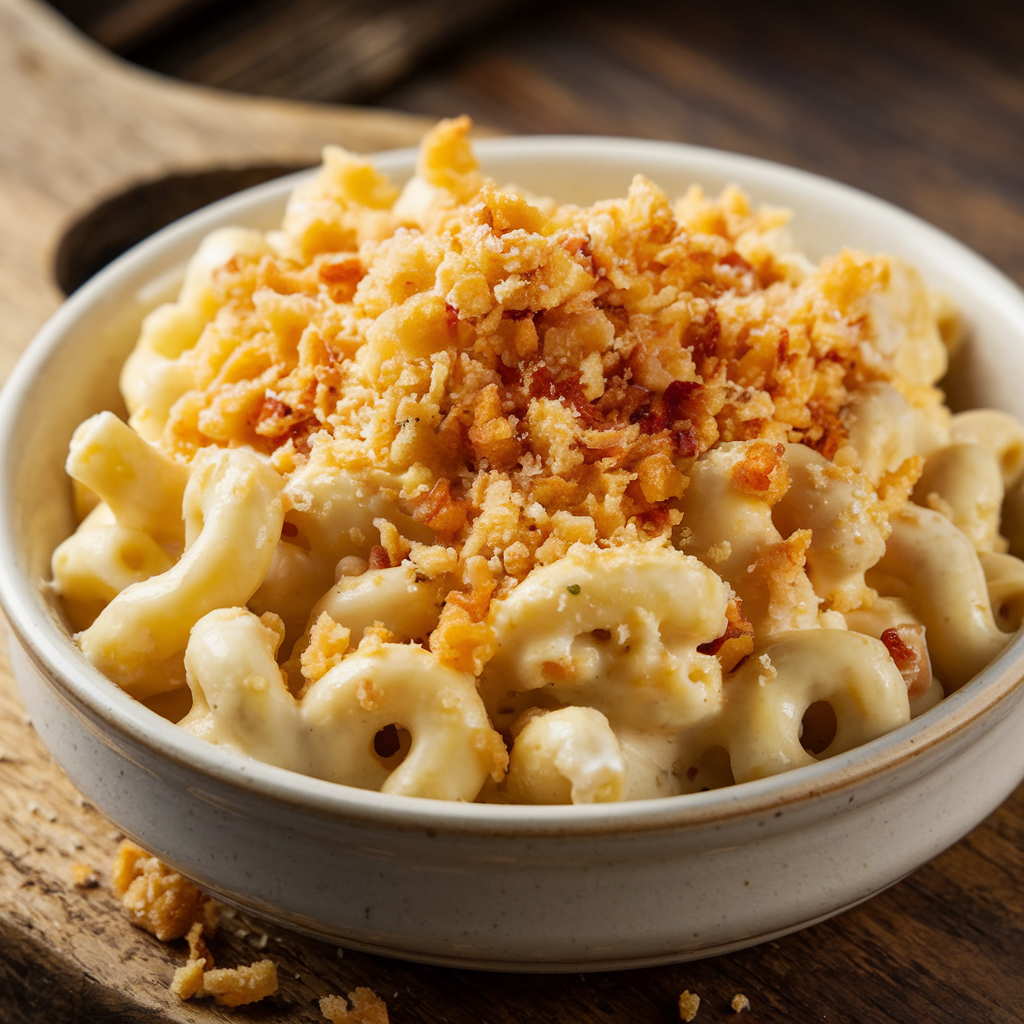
(239,986)
(740,1003)
(367,1008)
(197,948)
(188,980)
(328,642)
(689,1004)
(83,876)
(156,898)
(164,903)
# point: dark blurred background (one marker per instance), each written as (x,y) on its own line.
(921,104)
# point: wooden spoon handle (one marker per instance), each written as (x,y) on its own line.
(79,125)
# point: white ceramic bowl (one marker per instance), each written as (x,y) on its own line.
(509,888)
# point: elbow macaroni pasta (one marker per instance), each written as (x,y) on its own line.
(452,492)
(241,700)
(233,517)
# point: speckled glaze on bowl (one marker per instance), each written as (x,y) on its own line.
(505,888)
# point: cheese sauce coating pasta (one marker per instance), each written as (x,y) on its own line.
(455,492)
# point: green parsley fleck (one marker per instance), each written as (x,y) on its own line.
(573,588)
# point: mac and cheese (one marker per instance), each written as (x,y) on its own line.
(454,492)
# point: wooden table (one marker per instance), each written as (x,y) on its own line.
(928,114)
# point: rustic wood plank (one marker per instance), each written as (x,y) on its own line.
(120,25)
(339,51)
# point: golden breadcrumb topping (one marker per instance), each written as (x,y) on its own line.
(522,376)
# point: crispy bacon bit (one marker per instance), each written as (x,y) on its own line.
(783,349)
(677,399)
(629,401)
(734,259)
(678,404)
(703,337)
(544,384)
(714,646)
(906,646)
(379,557)
(650,420)
(439,510)
(511,376)
(685,443)
(273,409)
(736,643)
(542,381)
(279,421)
(300,433)
(900,653)
(655,520)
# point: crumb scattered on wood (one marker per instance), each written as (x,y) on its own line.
(156,898)
(232,986)
(689,1004)
(188,980)
(83,876)
(367,1008)
(163,902)
(740,1003)
(166,904)
(238,986)
(197,948)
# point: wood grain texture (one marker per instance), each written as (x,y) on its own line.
(338,51)
(927,113)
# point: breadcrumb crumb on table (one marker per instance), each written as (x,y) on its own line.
(689,1004)
(236,986)
(740,1003)
(239,986)
(188,980)
(83,876)
(156,898)
(366,1008)
(168,905)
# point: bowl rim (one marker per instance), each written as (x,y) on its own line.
(79,683)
